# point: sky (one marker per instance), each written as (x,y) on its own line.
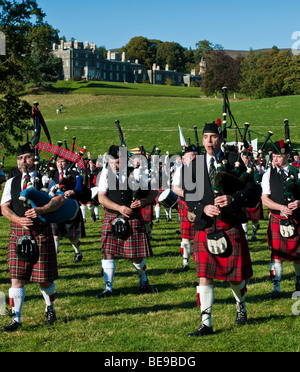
(236,25)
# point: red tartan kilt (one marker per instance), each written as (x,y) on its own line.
(73,230)
(45,270)
(147,213)
(254,214)
(236,267)
(186,227)
(137,245)
(286,249)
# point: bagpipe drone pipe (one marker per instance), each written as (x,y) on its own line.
(35,195)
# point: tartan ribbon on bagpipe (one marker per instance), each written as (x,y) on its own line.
(61,152)
(38,123)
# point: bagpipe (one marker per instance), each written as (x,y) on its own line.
(35,194)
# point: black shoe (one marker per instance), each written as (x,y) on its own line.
(241,318)
(144,286)
(50,315)
(105,293)
(78,257)
(184,269)
(241,315)
(13,326)
(274,295)
(203,330)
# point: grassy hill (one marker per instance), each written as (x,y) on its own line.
(160,321)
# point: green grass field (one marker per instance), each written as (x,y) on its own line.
(161,320)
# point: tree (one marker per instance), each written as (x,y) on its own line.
(171,54)
(142,49)
(292,81)
(222,70)
(203,47)
(42,66)
(22,24)
(249,77)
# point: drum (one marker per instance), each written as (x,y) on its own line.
(168,198)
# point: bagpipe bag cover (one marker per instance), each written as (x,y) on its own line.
(66,212)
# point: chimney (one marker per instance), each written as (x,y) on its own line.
(123,57)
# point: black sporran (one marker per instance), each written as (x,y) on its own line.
(120,228)
(27,249)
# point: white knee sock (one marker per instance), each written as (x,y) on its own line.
(157,212)
(108,267)
(186,244)
(75,244)
(48,294)
(16,299)
(83,211)
(239,292)
(245,228)
(141,269)
(56,242)
(206,293)
(276,270)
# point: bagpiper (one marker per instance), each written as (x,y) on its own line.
(280,194)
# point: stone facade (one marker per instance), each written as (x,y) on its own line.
(84,61)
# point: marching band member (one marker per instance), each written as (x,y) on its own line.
(73,230)
(253,214)
(24,266)
(123,228)
(186,227)
(224,212)
(284,221)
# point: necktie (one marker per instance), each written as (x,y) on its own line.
(61,175)
(25,183)
(212,170)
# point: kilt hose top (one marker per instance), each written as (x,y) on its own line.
(137,245)
(45,270)
(234,265)
(186,227)
(285,249)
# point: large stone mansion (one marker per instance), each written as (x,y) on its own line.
(84,61)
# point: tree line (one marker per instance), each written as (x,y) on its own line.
(262,74)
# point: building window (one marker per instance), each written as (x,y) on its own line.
(117,76)
(111,76)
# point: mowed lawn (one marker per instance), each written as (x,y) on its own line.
(161,320)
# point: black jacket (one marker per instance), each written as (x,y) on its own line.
(245,194)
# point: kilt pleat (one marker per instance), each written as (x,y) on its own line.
(285,249)
(234,266)
(147,213)
(45,270)
(255,213)
(186,227)
(137,245)
(74,229)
